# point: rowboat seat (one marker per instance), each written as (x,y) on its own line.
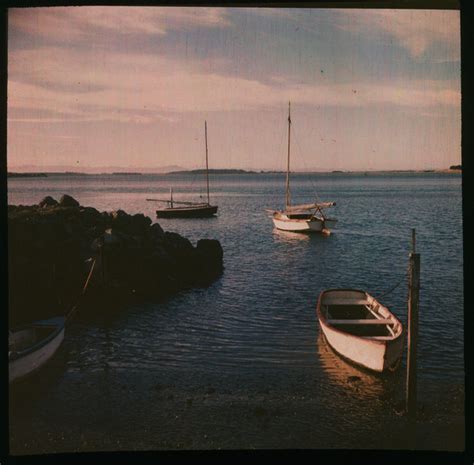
(387,321)
(329,301)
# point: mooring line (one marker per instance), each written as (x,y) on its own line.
(405,276)
(84,289)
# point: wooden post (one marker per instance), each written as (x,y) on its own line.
(413,298)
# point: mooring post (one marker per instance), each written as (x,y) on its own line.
(413,298)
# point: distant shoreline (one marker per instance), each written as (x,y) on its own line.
(225,171)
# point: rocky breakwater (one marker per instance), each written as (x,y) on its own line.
(52,247)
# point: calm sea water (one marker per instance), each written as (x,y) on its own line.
(242,363)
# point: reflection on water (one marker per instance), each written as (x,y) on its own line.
(343,374)
(288,236)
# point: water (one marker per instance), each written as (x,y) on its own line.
(241,364)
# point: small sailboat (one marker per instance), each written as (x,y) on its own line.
(360,329)
(301,218)
(180,209)
(31,346)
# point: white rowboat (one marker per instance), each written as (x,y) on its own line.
(30,347)
(360,329)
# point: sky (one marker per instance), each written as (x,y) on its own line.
(104,87)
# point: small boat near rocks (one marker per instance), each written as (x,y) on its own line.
(188,209)
(32,346)
(360,329)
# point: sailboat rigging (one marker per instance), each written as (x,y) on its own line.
(188,209)
(305,217)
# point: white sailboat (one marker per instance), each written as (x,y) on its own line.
(306,217)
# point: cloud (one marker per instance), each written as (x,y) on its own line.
(416,30)
(80,23)
(89,84)
(143,89)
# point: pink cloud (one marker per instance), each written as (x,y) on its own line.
(72,23)
(141,89)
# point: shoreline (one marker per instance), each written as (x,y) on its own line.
(259,420)
(47,174)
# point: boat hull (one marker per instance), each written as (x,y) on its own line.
(374,353)
(302,225)
(187,212)
(29,360)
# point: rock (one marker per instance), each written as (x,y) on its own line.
(97,244)
(179,245)
(48,249)
(48,201)
(68,201)
(119,219)
(123,222)
(140,221)
(157,230)
(211,248)
(118,215)
(209,257)
(112,237)
(90,215)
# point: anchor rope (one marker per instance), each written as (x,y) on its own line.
(84,289)
(405,276)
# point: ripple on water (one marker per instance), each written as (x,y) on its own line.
(255,331)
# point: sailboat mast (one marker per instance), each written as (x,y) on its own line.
(288,165)
(207,163)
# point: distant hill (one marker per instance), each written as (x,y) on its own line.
(213,171)
(68,173)
(126,173)
(27,175)
(84,170)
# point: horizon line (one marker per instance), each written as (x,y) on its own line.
(236,171)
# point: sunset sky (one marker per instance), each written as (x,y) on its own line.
(131,87)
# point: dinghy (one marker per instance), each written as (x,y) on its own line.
(30,347)
(360,329)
